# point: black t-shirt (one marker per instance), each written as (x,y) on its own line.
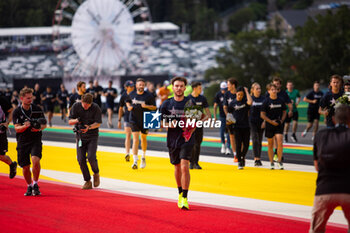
(273,108)
(20,115)
(122,103)
(255,110)
(331,147)
(49,96)
(91,91)
(240,111)
(87,117)
(37,100)
(328,102)
(62,95)
(110,92)
(174,110)
(5,106)
(200,101)
(73,98)
(228,98)
(8,95)
(136,115)
(219,100)
(312,95)
(98,90)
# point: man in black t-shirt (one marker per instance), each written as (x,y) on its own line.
(313,98)
(230,95)
(49,99)
(219,102)
(273,111)
(202,102)
(332,161)
(99,92)
(76,97)
(87,118)
(180,150)
(111,94)
(62,98)
(328,100)
(129,87)
(5,118)
(137,103)
(37,95)
(29,121)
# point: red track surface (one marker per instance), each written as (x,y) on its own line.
(64,208)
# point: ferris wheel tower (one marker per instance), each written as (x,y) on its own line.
(102,35)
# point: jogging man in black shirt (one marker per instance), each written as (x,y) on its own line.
(273,111)
(328,100)
(332,161)
(313,116)
(202,102)
(111,94)
(37,95)
(87,118)
(99,92)
(230,95)
(5,118)
(49,99)
(29,121)
(76,97)
(180,150)
(138,102)
(129,86)
(62,98)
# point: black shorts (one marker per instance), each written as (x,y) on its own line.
(127,124)
(24,151)
(184,152)
(231,128)
(271,131)
(313,115)
(63,106)
(137,128)
(110,105)
(49,107)
(295,117)
(3,144)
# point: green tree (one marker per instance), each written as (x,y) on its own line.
(240,19)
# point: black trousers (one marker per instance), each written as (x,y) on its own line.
(89,148)
(257,134)
(242,135)
(198,137)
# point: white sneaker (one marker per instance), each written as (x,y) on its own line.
(280,166)
(143,163)
(228,151)
(223,149)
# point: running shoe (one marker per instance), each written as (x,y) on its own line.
(228,151)
(240,165)
(191,166)
(272,166)
(196,166)
(29,191)
(179,201)
(134,166)
(36,191)
(259,163)
(127,158)
(184,203)
(303,134)
(13,170)
(223,149)
(256,163)
(235,160)
(286,138)
(294,138)
(143,163)
(280,166)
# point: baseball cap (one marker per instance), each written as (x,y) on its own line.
(166,83)
(129,83)
(223,85)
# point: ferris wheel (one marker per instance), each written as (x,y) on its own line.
(102,35)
